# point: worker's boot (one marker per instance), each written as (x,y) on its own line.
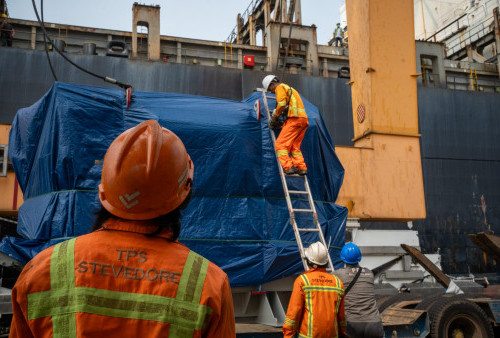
(291,171)
(302,172)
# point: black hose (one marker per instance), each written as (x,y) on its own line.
(46,47)
(104,78)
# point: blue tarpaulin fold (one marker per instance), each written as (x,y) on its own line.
(238,217)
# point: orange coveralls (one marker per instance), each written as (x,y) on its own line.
(117,282)
(294,129)
(316,307)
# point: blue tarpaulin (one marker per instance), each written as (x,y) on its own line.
(238,216)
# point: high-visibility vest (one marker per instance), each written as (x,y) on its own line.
(316,307)
(286,95)
(336,30)
(64,299)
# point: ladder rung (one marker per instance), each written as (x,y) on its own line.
(297,192)
(302,210)
(308,229)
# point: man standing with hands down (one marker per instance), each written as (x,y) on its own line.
(289,104)
(363,318)
(316,307)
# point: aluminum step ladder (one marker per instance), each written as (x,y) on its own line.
(307,191)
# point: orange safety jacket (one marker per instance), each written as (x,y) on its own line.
(287,95)
(119,282)
(316,307)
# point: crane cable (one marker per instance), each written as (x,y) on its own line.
(46,47)
(279,41)
(104,78)
(292,9)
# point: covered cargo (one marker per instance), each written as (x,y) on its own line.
(238,216)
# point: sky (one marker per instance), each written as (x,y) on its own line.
(198,19)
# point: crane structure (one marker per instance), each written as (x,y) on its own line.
(383,171)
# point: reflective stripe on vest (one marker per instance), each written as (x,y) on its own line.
(64,299)
(309,308)
(291,322)
(308,289)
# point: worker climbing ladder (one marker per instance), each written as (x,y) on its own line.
(307,191)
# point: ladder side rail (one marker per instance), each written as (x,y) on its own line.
(285,187)
(316,221)
(299,242)
(282,173)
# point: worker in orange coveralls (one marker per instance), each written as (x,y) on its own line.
(316,307)
(288,102)
(130,277)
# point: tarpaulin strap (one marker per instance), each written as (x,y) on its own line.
(64,299)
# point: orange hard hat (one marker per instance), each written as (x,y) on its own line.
(146,173)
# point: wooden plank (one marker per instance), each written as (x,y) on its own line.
(394,316)
(488,243)
(427,265)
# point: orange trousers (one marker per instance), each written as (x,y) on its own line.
(289,142)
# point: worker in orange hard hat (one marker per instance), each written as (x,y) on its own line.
(316,307)
(130,277)
(289,104)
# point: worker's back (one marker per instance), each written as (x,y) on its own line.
(119,282)
(360,304)
(288,96)
(316,308)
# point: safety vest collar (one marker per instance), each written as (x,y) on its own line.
(316,269)
(140,227)
(64,299)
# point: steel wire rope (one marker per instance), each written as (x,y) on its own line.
(45,44)
(292,9)
(279,41)
(104,78)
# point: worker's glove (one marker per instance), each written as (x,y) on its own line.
(274,123)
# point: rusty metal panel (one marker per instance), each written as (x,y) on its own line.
(462,197)
(461,162)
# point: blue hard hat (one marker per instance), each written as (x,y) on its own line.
(350,253)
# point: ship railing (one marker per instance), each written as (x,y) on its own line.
(252,7)
(469,36)
(472,83)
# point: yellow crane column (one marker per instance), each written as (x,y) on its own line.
(383,171)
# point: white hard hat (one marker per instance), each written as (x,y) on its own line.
(267,81)
(316,253)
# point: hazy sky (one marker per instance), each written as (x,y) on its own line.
(198,19)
